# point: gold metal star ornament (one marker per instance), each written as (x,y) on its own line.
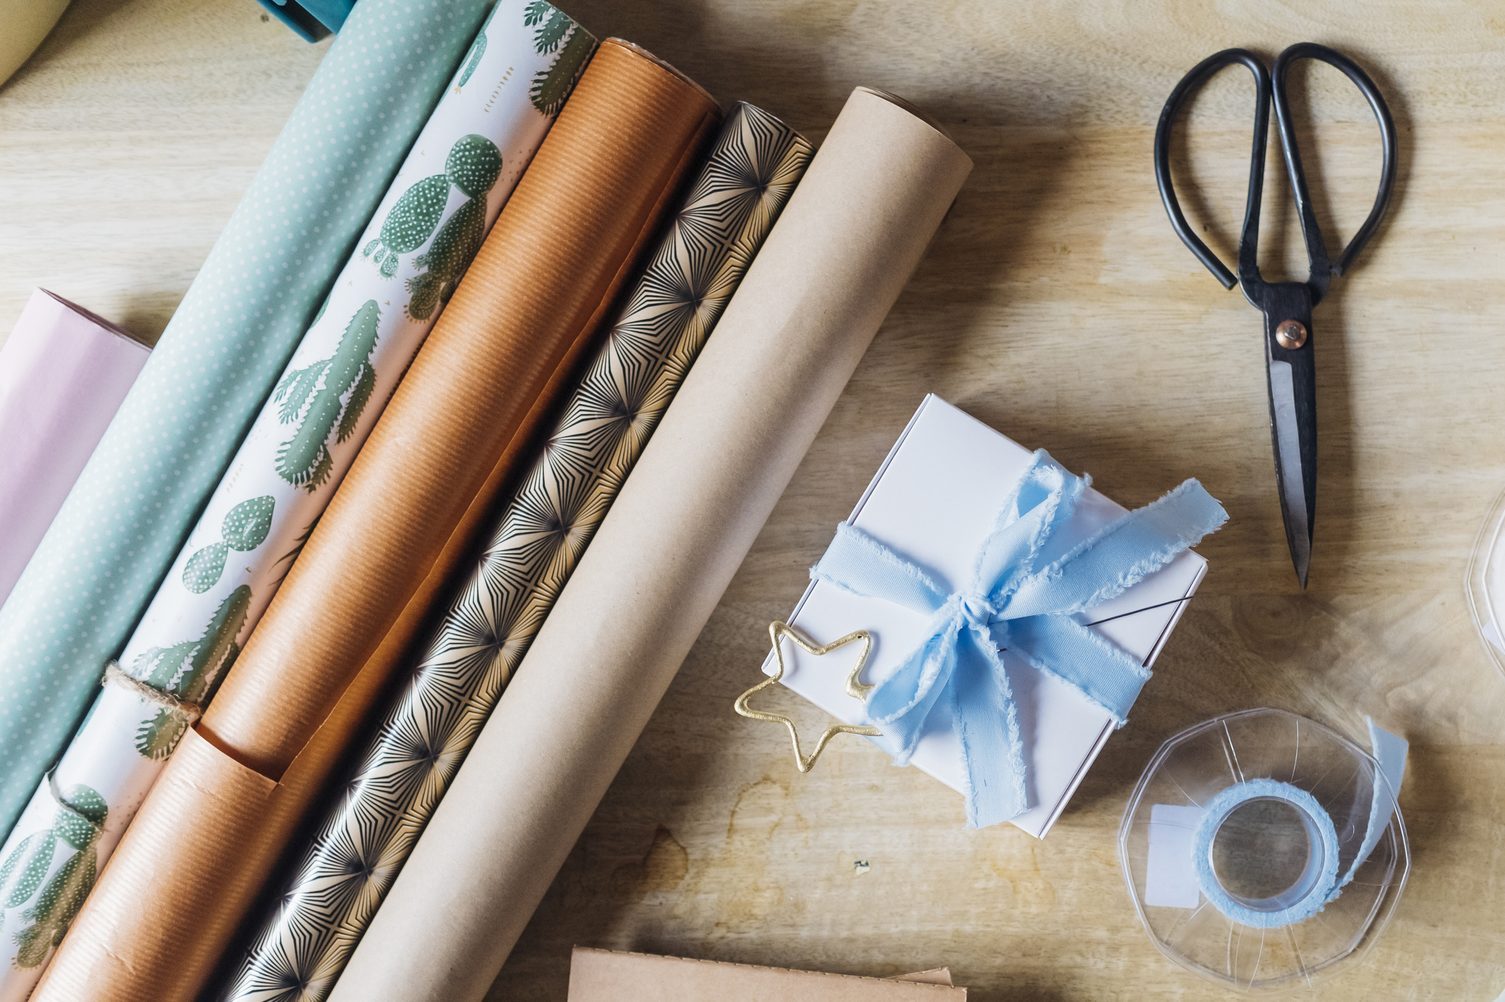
(776,632)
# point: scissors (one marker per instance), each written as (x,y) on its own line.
(1287,306)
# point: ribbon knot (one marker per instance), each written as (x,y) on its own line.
(1027,587)
(977,609)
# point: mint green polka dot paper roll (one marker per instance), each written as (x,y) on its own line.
(136,500)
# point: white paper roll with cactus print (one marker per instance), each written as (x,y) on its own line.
(675,302)
(445,197)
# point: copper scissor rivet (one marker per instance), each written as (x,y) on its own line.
(1291,334)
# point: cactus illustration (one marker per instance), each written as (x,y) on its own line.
(473,166)
(410,223)
(187,671)
(49,904)
(315,397)
(243,529)
(285,562)
(472,58)
(446,260)
(550,25)
(553,31)
(157,737)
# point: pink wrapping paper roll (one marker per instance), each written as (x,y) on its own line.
(63,373)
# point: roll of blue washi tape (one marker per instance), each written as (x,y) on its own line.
(1258,821)
(1318,883)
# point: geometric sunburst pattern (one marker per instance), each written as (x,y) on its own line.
(342,877)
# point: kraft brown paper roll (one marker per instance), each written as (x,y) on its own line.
(207,838)
(847,242)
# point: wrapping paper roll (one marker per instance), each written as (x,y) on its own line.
(849,239)
(27,24)
(63,373)
(130,511)
(423,236)
(210,832)
(675,301)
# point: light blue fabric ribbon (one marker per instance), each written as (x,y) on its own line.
(1021,599)
(1320,884)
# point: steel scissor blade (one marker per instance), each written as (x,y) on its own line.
(1293,424)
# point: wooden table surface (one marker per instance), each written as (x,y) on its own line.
(1057,306)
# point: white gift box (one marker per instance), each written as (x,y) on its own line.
(934,500)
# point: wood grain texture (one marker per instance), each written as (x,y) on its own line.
(1057,306)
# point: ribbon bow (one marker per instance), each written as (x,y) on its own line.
(1021,598)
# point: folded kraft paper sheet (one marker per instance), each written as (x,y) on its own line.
(210,833)
(852,234)
(617,976)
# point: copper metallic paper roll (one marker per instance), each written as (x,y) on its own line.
(852,234)
(187,871)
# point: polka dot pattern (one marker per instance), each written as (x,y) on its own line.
(132,507)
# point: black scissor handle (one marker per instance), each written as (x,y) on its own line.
(1322,269)
(1249,237)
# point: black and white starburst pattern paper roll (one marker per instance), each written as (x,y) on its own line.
(343,875)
